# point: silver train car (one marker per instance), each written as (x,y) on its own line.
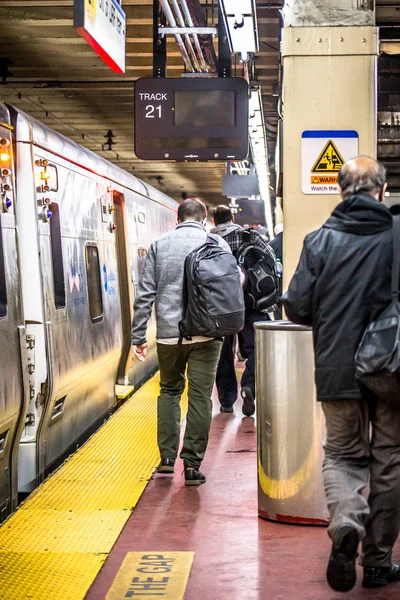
(74,232)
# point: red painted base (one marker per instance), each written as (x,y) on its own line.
(292,520)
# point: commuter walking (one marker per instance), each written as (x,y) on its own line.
(226,381)
(342,283)
(162,283)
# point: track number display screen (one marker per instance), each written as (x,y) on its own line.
(215,108)
(191,118)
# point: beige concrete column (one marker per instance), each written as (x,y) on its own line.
(329,84)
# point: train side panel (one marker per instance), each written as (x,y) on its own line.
(79,277)
(13,393)
(82,310)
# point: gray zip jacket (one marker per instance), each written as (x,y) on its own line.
(162,281)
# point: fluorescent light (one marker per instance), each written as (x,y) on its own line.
(241,26)
(258,144)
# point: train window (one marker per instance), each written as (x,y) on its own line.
(57,257)
(94,283)
(142,253)
(3,289)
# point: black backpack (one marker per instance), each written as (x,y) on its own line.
(262,287)
(213,302)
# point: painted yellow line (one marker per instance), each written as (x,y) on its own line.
(152,575)
(55,544)
(10,127)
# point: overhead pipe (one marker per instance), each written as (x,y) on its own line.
(171,20)
(189,21)
(186,36)
(206,41)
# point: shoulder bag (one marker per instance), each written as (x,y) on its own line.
(378,356)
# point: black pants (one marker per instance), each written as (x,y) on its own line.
(226,375)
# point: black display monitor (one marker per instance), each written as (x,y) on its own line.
(191,119)
(249,212)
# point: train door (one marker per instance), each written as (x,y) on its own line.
(141,231)
(13,392)
(81,293)
(125,287)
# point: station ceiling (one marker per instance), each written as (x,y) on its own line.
(49,71)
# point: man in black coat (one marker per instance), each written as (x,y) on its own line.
(225,380)
(341,284)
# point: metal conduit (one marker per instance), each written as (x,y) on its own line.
(206,41)
(186,36)
(171,20)
(189,20)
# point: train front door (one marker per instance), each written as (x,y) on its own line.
(13,393)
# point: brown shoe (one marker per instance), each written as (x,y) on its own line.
(166,466)
(193,476)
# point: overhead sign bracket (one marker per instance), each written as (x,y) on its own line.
(224,51)
(159,42)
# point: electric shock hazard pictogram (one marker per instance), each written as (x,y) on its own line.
(329,161)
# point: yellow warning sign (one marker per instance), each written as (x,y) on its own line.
(151,575)
(329,161)
(318,179)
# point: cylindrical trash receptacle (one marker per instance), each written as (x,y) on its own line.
(290,426)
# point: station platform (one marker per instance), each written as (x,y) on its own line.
(105,526)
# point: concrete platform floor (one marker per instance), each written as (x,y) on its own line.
(238,556)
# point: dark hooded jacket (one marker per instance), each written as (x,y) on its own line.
(341,284)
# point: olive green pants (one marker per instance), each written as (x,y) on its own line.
(199,361)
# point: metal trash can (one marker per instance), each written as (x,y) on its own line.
(290,426)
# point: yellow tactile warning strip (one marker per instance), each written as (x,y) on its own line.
(151,575)
(55,544)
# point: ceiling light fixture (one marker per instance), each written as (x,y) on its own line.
(240,19)
(258,144)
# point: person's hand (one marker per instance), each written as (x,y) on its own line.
(140,352)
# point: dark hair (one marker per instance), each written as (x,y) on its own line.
(357,179)
(222,214)
(192,209)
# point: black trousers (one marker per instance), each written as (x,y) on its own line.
(226,375)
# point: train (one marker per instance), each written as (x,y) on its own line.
(74,233)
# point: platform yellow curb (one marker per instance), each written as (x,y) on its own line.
(55,544)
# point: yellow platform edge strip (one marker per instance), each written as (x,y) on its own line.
(56,543)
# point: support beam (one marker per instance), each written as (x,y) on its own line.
(339,65)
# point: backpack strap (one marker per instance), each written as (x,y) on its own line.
(212,239)
(182,323)
(396,258)
(246,236)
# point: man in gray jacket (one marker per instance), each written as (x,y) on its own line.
(162,283)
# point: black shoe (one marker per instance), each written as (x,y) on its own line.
(379,576)
(226,409)
(341,573)
(166,465)
(193,476)
(249,406)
